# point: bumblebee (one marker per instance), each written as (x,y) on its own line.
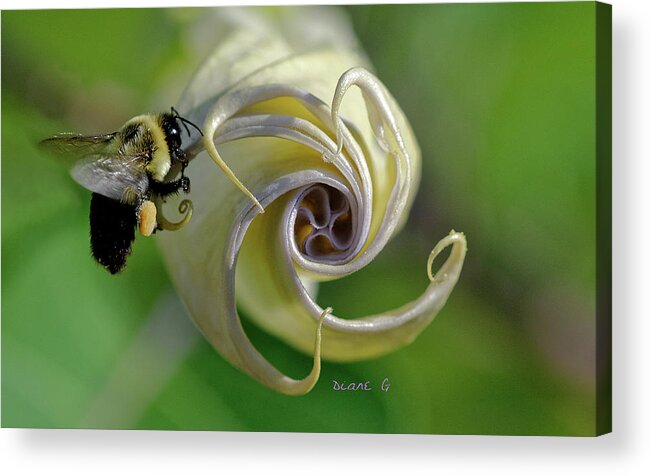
(126,172)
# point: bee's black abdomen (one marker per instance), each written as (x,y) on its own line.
(112,230)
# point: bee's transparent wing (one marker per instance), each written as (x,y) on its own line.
(117,177)
(70,146)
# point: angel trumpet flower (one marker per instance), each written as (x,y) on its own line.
(335,173)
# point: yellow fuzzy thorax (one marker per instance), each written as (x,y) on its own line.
(152,131)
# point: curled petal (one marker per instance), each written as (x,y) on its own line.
(185,209)
(317,141)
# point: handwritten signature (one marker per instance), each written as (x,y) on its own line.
(360,386)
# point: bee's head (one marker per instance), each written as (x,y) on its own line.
(172,131)
(170,124)
(175,117)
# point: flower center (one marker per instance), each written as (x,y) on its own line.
(324,224)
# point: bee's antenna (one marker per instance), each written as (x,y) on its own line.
(178,116)
(185,122)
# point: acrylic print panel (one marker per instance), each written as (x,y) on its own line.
(492,120)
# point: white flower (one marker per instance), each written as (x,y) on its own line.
(288,102)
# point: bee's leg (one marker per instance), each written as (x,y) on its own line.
(185,184)
(179,156)
(167,188)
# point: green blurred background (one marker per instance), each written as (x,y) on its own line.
(502,100)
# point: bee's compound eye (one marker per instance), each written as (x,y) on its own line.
(174,136)
(147,218)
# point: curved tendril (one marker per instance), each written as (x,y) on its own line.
(314,375)
(458,240)
(185,208)
(342,86)
(208,138)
